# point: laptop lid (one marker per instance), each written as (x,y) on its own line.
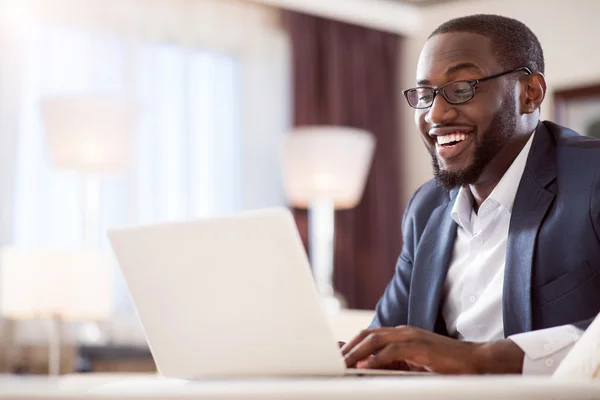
(228,296)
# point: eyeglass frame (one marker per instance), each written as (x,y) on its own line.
(472,82)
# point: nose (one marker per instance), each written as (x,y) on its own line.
(440,112)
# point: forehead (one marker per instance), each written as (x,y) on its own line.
(444,52)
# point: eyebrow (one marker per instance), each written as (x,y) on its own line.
(453,70)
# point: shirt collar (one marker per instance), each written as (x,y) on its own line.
(462,208)
(504,193)
(506,190)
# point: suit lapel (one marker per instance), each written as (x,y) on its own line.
(429,272)
(531,205)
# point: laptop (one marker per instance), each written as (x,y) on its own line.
(231,296)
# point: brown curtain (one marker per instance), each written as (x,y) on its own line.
(347,75)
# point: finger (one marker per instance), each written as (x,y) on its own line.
(359,338)
(396,366)
(415,367)
(362,364)
(408,353)
(369,345)
(341,344)
(363,335)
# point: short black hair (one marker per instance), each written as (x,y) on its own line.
(513,43)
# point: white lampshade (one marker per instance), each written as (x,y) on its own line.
(326,162)
(91,135)
(72,285)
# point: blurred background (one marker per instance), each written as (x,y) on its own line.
(121,112)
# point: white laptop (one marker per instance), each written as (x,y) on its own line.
(229,296)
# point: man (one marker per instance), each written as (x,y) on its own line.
(500,266)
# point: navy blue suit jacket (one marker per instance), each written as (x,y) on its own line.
(552,272)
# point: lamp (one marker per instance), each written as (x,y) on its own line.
(91,135)
(325,168)
(57,286)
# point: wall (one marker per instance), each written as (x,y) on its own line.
(568,31)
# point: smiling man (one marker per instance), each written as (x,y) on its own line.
(500,266)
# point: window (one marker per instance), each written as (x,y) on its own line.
(188,158)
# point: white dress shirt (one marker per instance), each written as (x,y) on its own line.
(472,306)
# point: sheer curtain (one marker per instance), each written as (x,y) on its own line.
(212,105)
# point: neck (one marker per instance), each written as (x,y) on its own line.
(496,169)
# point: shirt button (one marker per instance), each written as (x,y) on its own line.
(472,298)
(549,362)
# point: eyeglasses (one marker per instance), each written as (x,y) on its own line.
(456,92)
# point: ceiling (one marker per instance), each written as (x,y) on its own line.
(422,2)
(403,17)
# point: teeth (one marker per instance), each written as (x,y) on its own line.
(451,137)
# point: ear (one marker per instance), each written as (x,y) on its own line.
(533,92)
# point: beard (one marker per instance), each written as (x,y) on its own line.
(487,146)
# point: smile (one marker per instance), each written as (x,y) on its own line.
(452,144)
(451,139)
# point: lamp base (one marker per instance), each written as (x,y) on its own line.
(321,245)
(333,303)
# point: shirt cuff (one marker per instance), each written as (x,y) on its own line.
(545,348)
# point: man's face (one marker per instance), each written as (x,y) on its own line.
(463,138)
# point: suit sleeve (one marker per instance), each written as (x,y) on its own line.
(595,216)
(392,308)
(595,206)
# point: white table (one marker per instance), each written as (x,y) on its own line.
(380,388)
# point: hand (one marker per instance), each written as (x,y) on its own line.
(406,346)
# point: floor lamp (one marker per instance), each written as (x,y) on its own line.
(93,136)
(55,286)
(325,168)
